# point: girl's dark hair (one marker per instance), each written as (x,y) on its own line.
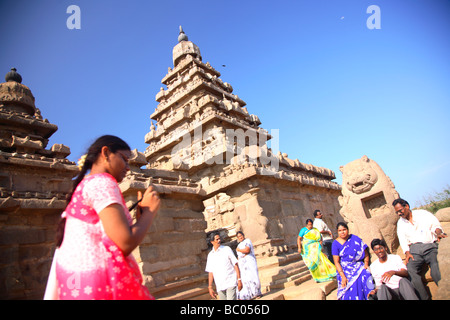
(342,224)
(309,220)
(376,242)
(114,144)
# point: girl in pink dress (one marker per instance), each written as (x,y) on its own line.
(93,259)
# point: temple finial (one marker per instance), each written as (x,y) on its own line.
(13,76)
(182,36)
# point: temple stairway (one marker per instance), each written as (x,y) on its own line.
(279,272)
(276,273)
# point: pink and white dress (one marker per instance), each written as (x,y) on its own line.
(89,265)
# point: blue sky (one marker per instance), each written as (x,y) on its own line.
(335,89)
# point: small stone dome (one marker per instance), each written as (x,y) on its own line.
(13,76)
(14,96)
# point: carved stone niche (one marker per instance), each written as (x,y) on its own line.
(26,145)
(374,205)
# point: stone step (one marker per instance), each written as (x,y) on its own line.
(200,293)
(187,288)
(276,261)
(292,281)
(283,275)
(308,290)
(278,277)
(278,272)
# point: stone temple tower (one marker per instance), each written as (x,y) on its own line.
(208,157)
(197,117)
(34,182)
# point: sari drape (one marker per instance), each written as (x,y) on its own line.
(359,279)
(251,286)
(89,265)
(321,268)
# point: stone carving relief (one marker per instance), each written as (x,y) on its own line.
(360,176)
(367,195)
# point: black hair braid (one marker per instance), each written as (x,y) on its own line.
(62,222)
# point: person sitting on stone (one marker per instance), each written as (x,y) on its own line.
(390,275)
(419,232)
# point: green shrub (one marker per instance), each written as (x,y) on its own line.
(437,201)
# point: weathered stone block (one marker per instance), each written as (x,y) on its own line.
(21,235)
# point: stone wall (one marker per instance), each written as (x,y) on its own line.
(32,198)
(269,209)
(288,205)
(172,256)
(27,242)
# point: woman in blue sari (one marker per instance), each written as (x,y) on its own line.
(351,258)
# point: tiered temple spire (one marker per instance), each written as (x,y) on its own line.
(195,98)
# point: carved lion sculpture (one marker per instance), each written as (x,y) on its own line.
(367,195)
(359,176)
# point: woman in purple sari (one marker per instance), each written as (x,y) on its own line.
(351,258)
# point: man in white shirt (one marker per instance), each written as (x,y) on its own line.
(390,275)
(223,269)
(327,235)
(419,232)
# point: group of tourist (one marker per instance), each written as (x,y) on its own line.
(346,258)
(96,235)
(387,278)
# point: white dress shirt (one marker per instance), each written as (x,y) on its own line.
(422,229)
(221,263)
(320,225)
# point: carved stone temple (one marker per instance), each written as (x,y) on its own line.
(212,178)
(34,182)
(207,156)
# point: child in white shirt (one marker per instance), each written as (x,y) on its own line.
(390,275)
